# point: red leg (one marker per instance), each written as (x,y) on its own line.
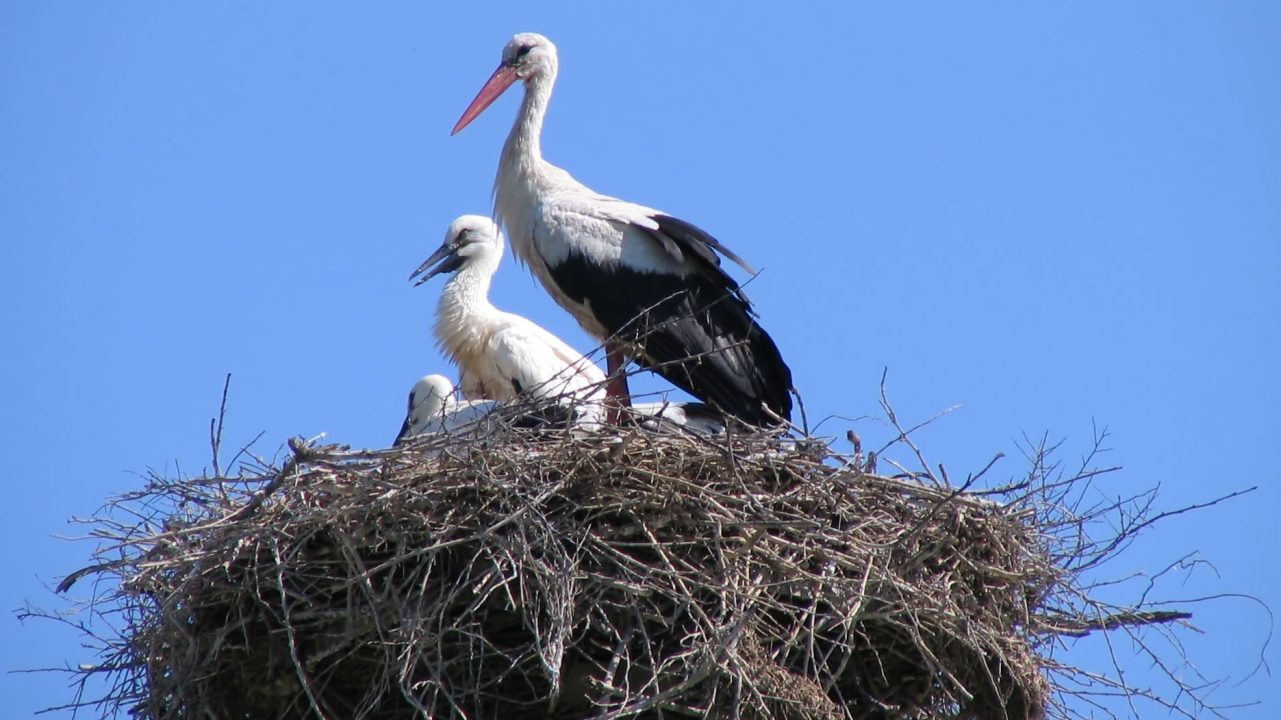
(617,396)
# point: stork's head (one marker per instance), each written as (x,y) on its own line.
(528,54)
(427,402)
(470,239)
(429,396)
(525,57)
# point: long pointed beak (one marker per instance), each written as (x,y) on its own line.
(444,255)
(502,79)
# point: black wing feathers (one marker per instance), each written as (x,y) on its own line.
(686,242)
(689,234)
(697,330)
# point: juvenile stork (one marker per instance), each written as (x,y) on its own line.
(500,356)
(648,285)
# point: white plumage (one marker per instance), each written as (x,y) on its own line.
(433,408)
(647,284)
(499,355)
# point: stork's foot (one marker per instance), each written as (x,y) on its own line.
(617,396)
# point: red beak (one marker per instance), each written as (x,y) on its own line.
(502,79)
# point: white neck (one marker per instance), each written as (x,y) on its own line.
(523,152)
(524,178)
(464,307)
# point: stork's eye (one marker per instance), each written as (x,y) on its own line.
(523,50)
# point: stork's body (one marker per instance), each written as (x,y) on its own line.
(433,408)
(647,284)
(500,355)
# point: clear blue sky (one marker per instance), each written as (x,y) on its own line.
(1054,214)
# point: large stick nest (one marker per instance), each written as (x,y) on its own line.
(510,575)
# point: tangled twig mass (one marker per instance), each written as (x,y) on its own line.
(523,574)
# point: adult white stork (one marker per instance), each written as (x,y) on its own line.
(647,284)
(500,355)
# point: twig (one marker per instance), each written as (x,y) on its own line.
(215,432)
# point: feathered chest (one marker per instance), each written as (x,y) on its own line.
(463,334)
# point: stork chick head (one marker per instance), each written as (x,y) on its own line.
(525,57)
(428,400)
(470,238)
(429,397)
